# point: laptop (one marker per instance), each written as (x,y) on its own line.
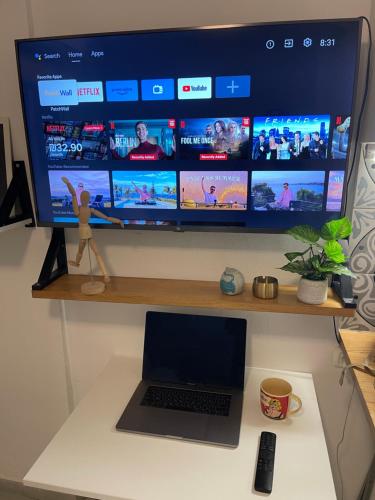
(192,379)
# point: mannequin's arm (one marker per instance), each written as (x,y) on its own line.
(73,193)
(114,220)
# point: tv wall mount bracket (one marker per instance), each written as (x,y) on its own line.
(55,263)
(17,198)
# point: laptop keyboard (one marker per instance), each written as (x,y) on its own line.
(170,398)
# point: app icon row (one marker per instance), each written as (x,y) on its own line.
(71,92)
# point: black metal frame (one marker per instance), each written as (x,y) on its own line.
(17,196)
(56,254)
(342,286)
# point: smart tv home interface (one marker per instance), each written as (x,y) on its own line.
(244,127)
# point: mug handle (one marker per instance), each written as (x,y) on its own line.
(299,403)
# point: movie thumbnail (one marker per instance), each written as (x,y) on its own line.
(146,189)
(335,189)
(142,139)
(75,140)
(340,138)
(300,191)
(94,181)
(213,190)
(290,137)
(214,138)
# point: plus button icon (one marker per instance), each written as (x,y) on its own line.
(232,87)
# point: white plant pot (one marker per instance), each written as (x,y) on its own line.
(312,292)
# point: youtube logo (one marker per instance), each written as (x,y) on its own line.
(195,88)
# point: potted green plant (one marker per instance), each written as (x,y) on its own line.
(323,257)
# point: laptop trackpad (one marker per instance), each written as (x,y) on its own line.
(175,423)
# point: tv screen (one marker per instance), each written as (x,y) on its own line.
(237,128)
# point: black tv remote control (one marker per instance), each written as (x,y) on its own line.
(265,463)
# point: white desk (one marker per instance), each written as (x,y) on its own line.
(88,457)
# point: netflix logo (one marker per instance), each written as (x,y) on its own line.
(90,91)
(55,129)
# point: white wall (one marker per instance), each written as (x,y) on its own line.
(96,331)
(33,397)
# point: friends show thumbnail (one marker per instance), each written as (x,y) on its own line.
(214,138)
(75,140)
(213,190)
(148,189)
(290,137)
(300,191)
(142,139)
(94,181)
(340,138)
(335,189)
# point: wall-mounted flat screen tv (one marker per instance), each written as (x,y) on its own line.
(236,128)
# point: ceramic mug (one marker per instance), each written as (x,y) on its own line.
(275,398)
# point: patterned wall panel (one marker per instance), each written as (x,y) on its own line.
(362,242)
(365,190)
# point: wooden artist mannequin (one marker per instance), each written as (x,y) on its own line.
(84,212)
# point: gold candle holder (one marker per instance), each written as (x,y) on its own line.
(265,287)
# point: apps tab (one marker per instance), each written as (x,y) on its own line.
(232,86)
(97,54)
(122,90)
(161,89)
(195,88)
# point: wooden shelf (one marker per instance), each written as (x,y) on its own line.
(357,346)
(187,293)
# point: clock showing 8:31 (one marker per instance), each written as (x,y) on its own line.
(327,42)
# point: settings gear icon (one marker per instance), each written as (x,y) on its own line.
(307,42)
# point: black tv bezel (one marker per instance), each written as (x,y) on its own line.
(3,166)
(178,227)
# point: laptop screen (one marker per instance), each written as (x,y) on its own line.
(184,348)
